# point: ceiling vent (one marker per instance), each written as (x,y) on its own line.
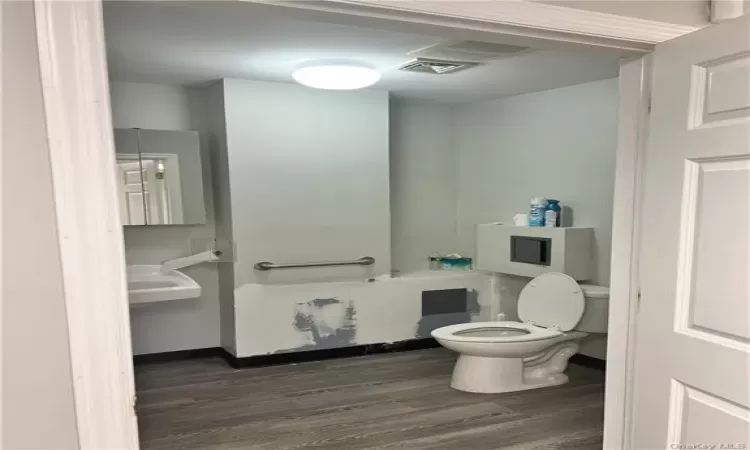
(467,51)
(435,67)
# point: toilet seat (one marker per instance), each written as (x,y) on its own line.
(463,332)
(552,300)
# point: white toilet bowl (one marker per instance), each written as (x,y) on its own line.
(513,356)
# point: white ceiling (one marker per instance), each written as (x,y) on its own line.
(196,42)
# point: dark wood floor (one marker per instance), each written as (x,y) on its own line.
(386,401)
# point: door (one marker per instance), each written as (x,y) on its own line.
(144,199)
(155,198)
(693,331)
(130,189)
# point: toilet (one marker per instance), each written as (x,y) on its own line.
(556,313)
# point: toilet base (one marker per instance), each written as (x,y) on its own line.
(492,375)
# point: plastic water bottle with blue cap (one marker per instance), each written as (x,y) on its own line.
(536,212)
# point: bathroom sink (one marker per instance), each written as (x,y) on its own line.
(147,284)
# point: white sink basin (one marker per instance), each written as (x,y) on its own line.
(147,284)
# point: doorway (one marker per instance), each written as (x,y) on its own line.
(97,288)
(456,134)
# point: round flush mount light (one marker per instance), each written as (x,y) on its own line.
(336,76)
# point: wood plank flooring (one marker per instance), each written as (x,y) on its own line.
(387,401)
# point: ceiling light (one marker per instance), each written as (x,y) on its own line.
(338,76)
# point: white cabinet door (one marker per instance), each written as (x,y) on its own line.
(693,333)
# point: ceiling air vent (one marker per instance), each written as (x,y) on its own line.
(434,66)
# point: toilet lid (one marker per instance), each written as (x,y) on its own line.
(552,300)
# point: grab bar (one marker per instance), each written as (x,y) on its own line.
(365,261)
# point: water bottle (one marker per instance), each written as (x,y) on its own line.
(536,212)
(552,214)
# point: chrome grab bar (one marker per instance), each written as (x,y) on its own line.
(364,261)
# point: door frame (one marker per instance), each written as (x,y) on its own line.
(511,21)
(76,100)
(75,91)
(624,292)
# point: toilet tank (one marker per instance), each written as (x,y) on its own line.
(596,313)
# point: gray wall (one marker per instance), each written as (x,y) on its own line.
(184,324)
(557,144)
(308,174)
(451,168)
(38,405)
(217,136)
(423,184)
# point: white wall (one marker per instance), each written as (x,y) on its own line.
(38,409)
(451,168)
(557,144)
(423,184)
(307,179)
(179,325)
(681,12)
(154,106)
(383,311)
(308,174)
(216,134)
(554,144)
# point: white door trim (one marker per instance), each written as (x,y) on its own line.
(76,103)
(76,98)
(723,10)
(519,18)
(635,96)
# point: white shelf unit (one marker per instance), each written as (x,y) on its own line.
(571,250)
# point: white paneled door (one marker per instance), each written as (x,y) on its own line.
(692,385)
(130,190)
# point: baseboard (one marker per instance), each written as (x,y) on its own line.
(331,353)
(178,355)
(286,358)
(319,355)
(589,361)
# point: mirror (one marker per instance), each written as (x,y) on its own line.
(159,177)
